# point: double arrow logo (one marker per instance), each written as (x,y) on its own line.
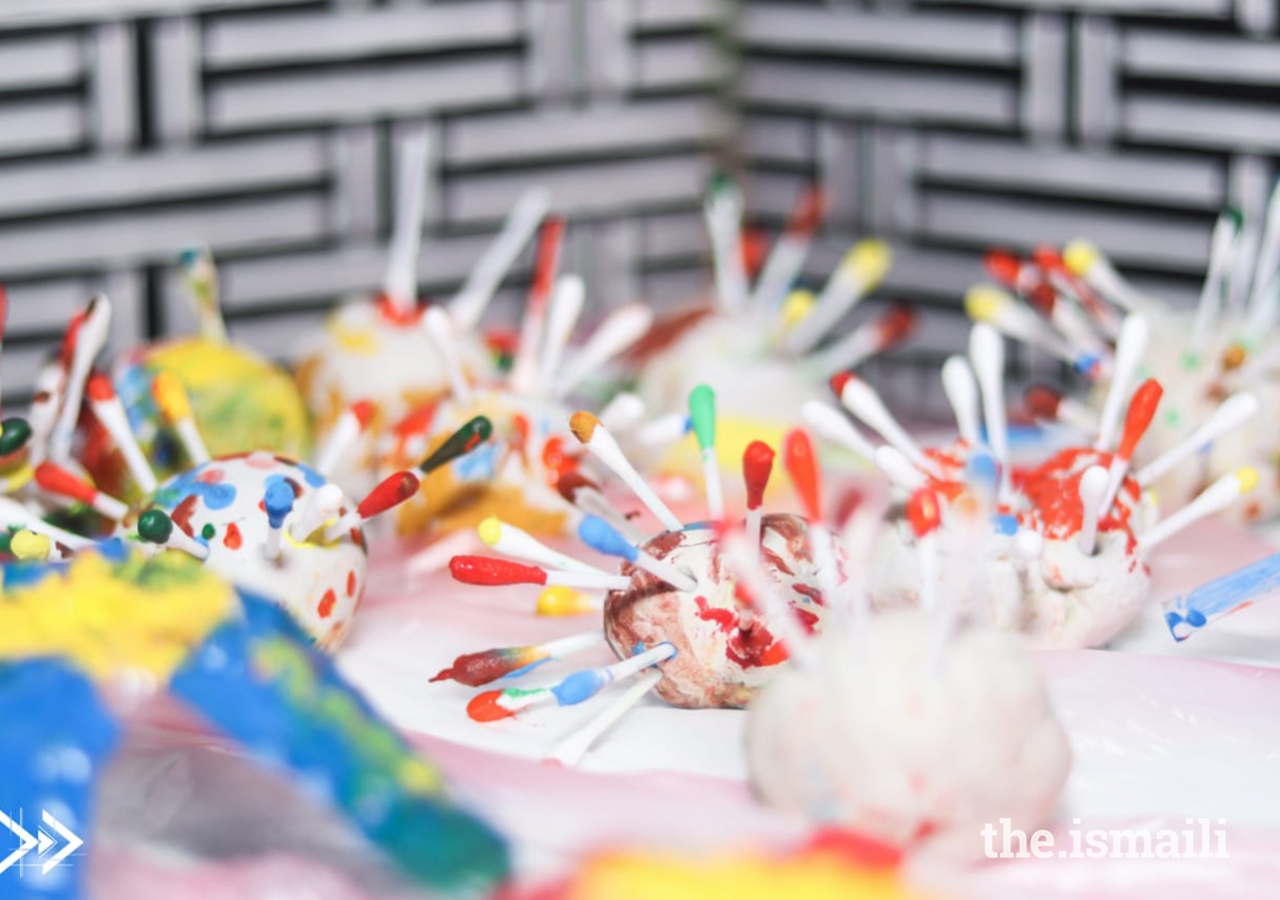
(28,842)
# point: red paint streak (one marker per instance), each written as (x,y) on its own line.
(752,648)
(351,584)
(1054,491)
(523,430)
(895,326)
(808,619)
(569,483)
(99,388)
(922,512)
(484,708)
(857,848)
(485,570)
(1042,402)
(325,608)
(808,212)
(555,462)
(417,422)
(814,595)
(232,538)
(210,476)
(182,513)
(726,619)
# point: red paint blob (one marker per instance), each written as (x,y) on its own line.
(391,492)
(1142,409)
(1048,258)
(393,313)
(351,584)
(486,570)
(1004,266)
(839,380)
(99,388)
(484,708)
(1041,402)
(325,607)
(896,325)
(923,512)
(808,213)
(475,669)
(802,465)
(570,483)
(757,466)
(232,538)
(182,513)
(363,411)
(57,480)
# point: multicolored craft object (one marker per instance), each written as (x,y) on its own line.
(265,522)
(376,348)
(1070,305)
(832,865)
(83,643)
(515,477)
(711,611)
(240,400)
(1069,539)
(764,346)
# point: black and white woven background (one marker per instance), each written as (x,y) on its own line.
(130,129)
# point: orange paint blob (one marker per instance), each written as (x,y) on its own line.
(485,708)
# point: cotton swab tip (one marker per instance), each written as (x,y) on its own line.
(985,303)
(1142,409)
(583,425)
(923,512)
(702,414)
(757,466)
(171,397)
(1079,256)
(801,463)
(869,260)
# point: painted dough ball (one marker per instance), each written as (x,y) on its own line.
(512,476)
(717,663)
(219,504)
(369,350)
(241,402)
(892,742)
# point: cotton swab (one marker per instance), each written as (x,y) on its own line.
(508,540)
(898,468)
(924,517)
(471,435)
(49,387)
(389,493)
(1234,412)
(702,416)
(789,253)
(861,399)
(13,513)
(1093,490)
(757,466)
(439,328)
(587,429)
(569,752)
(201,276)
(623,413)
(90,336)
(1215,498)
(586,496)
(1087,262)
(110,413)
(1188,613)
(602,537)
(484,570)
(175,407)
(623,327)
(723,212)
(663,430)
(861,270)
(961,388)
(156,527)
(1225,232)
(579,687)
(1142,408)
(1135,334)
(476,669)
(1046,404)
(61,483)
(567,301)
(277,502)
(833,425)
(400,283)
(320,507)
(468,306)
(346,432)
(524,368)
(986,355)
(993,306)
(801,463)
(890,328)
(557,601)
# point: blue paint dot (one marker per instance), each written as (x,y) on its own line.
(1196,619)
(310,475)
(478,465)
(1086,363)
(1005,524)
(578,687)
(602,537)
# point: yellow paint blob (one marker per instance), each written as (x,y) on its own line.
(870,260)
(27,545)
(1079,256)
(799,303)
(559,600)
(1247,476)
(105,617)
(984,303)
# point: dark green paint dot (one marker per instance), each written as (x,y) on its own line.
(14,434)
(155,526)
(208,532)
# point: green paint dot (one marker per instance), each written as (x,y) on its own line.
(154,526)
(1172,417)
(1190,360)
(208,532)
(14,434)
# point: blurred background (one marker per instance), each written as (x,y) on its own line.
(132,129)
